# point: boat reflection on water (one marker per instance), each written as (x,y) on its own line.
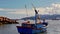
(42,33)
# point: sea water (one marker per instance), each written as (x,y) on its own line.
(52,28)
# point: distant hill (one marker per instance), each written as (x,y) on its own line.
(42,17)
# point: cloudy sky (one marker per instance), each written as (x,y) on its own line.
(16,8)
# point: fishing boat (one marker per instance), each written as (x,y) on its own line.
(32,28)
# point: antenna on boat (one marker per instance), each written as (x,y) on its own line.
(26,11)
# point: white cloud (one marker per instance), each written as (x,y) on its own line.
(53,9)
(56,5)
(23,12)
(47,10)
(7,9)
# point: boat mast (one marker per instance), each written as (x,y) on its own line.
(26,11)
(36,14)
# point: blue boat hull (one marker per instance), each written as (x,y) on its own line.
(30,30)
